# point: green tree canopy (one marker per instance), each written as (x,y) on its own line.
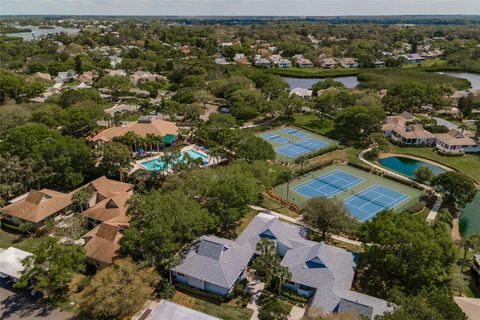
(432,305)
(122,288)
(52,266)
(327,215)
(62,162)
(406,253)
(115,158)
(355,124)
(161,223)
(455,187)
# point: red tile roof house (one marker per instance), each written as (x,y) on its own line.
(106,213)
(145,125)
(35,207)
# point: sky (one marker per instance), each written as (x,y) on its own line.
(240,7)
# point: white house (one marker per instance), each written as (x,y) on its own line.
(456,142)
(320,271)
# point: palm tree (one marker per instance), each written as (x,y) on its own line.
(266,262)
(81,197)
(286,176)
(301,161)
(283,275)
(463,126)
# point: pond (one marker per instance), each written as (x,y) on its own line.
(37,32)
(474,78)
(306,83)
(407,166)
(470,218)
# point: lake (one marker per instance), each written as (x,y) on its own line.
(474,78)
(37,32)
(470,218)
(306,83)
(407,166)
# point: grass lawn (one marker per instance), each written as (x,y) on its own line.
(313,123)
(12,239)
(463,282)
(427,63)
(467,164)
(245,221)
(424,213)
(274,205)
(224,311)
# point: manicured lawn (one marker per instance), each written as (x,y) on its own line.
(463,282)
(245,221)
(427,63)
(224,311)
(11,239)
(313,123)
(274,205)
(467,164)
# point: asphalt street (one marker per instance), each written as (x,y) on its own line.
(19,304)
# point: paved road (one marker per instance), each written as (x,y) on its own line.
(18,304)
(446,123)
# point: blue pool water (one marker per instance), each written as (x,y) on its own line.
(158,164)
(407,166)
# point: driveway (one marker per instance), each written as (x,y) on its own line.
(19,304)
(446,123)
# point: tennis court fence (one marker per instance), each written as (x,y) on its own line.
(299,155)
(291,196)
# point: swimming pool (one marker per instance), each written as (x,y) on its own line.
(407,166)
(158,164)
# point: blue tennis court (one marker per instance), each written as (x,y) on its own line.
(300,147)
(274,137)
(294,132)
(328,185)
(370,201)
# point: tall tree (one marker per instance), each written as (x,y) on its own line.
(52,266)
(406,254)
(114,159)
(455,187)
(122,288)
(355,124)
(326,215)
(161,223)
(81,197)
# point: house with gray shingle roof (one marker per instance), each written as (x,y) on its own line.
(320,271)
(214,264)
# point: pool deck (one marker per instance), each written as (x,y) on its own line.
(137,165)
(438,203)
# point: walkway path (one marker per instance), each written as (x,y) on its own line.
(296,313)
(299,222)
(255,287)
(433,212)
(446,123)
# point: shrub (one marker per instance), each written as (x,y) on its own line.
(417,207)
(82,284)
(209,296)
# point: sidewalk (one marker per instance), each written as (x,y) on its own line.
(254,286)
